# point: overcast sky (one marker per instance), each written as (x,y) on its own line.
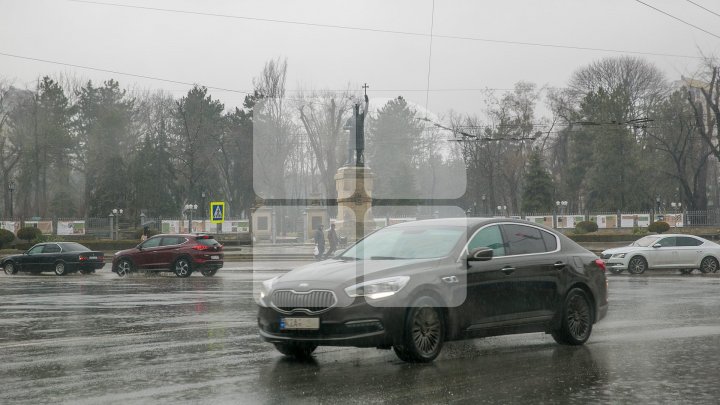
(224,43)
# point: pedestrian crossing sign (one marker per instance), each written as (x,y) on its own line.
(217,212)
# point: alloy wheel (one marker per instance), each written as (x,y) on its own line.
(124,268)
(578,317)
(426,330)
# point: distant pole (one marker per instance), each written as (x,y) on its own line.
(11,188)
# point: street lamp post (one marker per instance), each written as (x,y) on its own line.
(189,208)
(116,212)
(204,206)
(11,189)
(560,207)
(502,209)
(484,204)
(676,206)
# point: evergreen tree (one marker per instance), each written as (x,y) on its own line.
(538,190)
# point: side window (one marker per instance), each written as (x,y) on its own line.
(523,239)
(36,250)
(151,243)
(489,237)
(170,240)
(667,242)
(550,241)
(688,241)
(52,248)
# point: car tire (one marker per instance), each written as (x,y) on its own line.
(296,349)
(124,268)
(60,269)
(637,265)
(576,319)
(424,332)
(209,272)
(709,265)
(615,270)
(10,268)
(182,267)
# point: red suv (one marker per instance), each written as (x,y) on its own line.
(181,254)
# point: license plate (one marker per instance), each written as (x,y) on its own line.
(215,257)
(299,323)
(92,257)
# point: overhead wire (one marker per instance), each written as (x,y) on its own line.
(383,31)
(702,7)
(677,18)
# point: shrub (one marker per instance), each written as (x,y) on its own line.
(659,227)
(29,233)
(6,237)
(586,227)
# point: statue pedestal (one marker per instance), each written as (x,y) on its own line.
(354,190)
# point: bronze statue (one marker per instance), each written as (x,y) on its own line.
(356,138)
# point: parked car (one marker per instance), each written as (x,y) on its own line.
(415,285)
(59,257)
(671,251)
(181,254)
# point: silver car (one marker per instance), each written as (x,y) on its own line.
(672,251)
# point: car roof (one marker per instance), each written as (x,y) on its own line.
(468,222)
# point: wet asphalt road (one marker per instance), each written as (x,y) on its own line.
(159,339)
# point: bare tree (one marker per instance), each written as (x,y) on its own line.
(323,116)
(273,135)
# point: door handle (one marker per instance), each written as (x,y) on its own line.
(508,270)
(559,265)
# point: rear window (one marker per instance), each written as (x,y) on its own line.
(74,247)
(207,241)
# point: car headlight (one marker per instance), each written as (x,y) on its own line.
(376,289)
(265,290)
(619,255)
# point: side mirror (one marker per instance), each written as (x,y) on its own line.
(657,245)
(481,254)
(139,247)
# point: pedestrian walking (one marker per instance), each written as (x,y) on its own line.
(332,240)
(144,235)
(319,237)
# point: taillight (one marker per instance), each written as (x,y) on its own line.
(82,258)
(201,247)
(601,264)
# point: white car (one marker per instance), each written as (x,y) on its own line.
(672,251)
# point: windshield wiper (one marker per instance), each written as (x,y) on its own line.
(386,258)
(347,258)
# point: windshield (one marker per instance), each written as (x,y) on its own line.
(645,241)
(406,243)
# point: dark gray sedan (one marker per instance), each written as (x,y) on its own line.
(59,257)
(413,286)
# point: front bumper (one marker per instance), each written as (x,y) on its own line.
(359,324)
(616,264)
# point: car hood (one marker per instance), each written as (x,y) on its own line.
(126,252)
(11,257)
(624,249)
(335,273)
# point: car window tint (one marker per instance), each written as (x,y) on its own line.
(667,242)
(151,243)
(490,237)
(170,240)
(74,247)
(36,249)
(688,241)
(521,239)
(52,248)
(550,241)
(208,242)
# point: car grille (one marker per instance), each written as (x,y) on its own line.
(605,256)
(310,302)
